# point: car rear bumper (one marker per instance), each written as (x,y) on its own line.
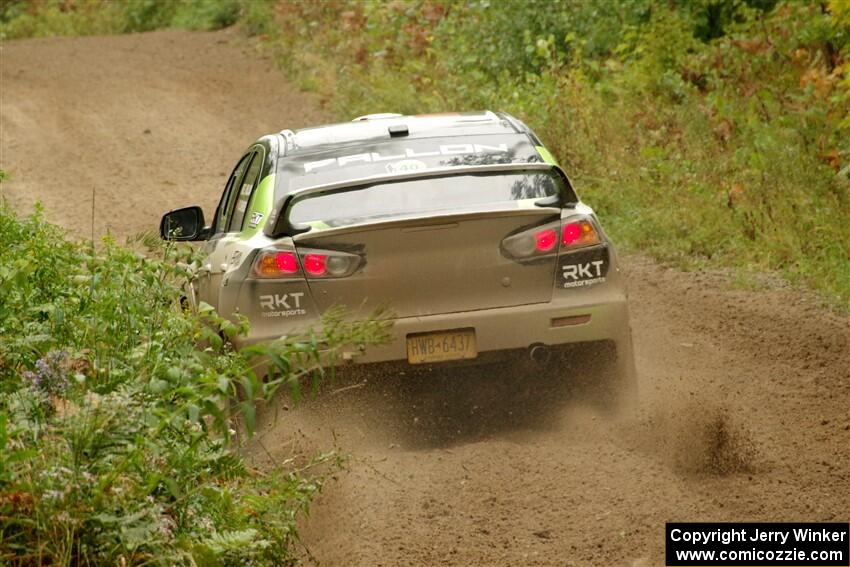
(593,314)
(523,326)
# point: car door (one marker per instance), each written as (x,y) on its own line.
(209,274)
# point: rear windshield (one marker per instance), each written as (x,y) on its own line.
(458,193)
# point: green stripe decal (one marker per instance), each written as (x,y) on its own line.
(318,225)
(546,155)
(261,203)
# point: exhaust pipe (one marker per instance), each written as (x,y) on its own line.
(540,354)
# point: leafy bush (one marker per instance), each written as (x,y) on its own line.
(116,425)
(206,14)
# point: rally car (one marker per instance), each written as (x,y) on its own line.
(462,224)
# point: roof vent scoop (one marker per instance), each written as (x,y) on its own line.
(398,130)
(378,116)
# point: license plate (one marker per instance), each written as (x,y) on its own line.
(440,346)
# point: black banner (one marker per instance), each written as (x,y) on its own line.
(757,544)
(583,267)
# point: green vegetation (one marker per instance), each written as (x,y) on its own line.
(706,132)
(118,412)
(37,18)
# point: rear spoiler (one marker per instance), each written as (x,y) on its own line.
(279,224)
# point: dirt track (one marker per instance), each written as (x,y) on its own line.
(441,472)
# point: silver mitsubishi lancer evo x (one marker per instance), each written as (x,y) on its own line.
(462,224)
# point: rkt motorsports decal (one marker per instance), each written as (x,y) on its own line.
(282,305)
(583,267)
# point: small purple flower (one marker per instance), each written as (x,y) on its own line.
(32,378)
(50,375)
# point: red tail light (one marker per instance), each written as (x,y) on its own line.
(276,264)
(286,262)
(316,264)
(543,240)
(571,233)
(579,233)
(273,264)
(546,240)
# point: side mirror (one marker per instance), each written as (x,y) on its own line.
(183,224)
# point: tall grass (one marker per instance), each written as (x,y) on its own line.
(45,18)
